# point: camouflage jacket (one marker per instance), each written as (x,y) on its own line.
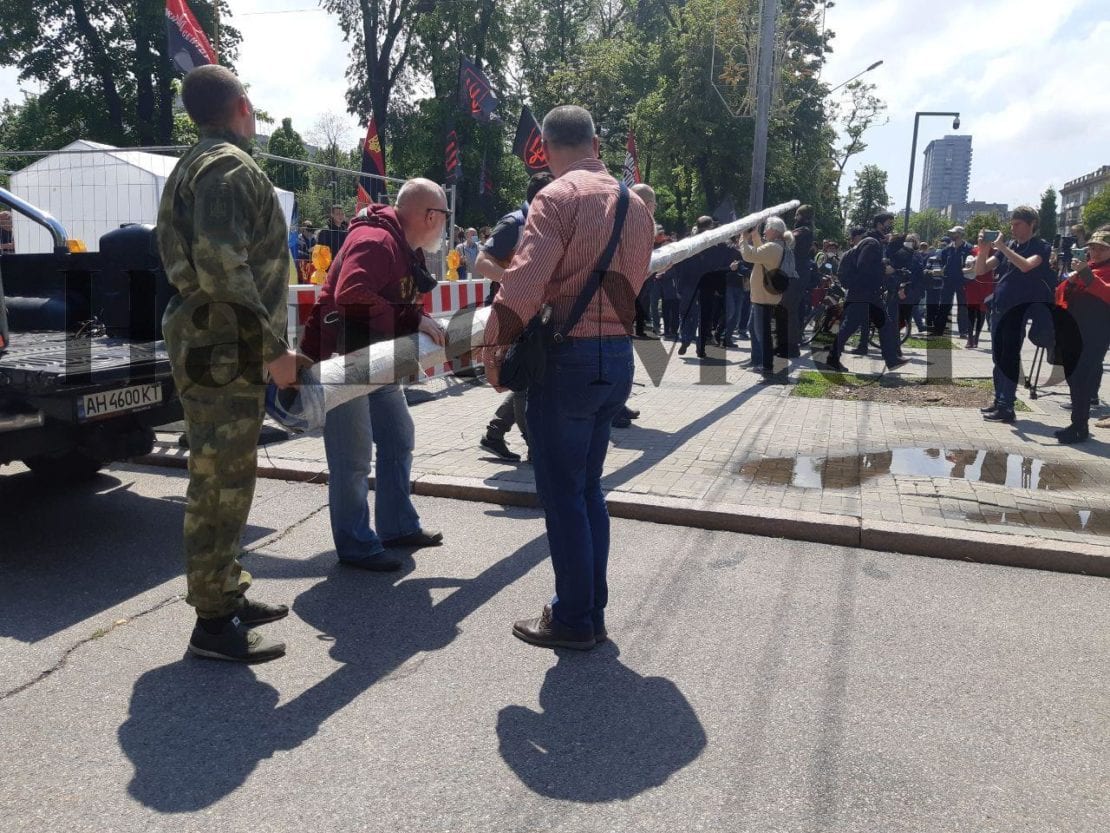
(223,241)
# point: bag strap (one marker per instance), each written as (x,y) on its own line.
(593,283)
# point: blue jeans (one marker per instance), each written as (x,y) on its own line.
(381,419)
(759,328)
(569,421)
(737,302)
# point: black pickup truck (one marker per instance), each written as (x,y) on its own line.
(84,376)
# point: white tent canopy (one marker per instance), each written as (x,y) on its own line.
(92,189)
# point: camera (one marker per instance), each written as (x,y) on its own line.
(990,236)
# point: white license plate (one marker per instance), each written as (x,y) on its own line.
(95,405)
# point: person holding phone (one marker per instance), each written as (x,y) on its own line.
(1083,325)
(1023,286)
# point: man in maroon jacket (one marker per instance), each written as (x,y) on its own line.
(373,291)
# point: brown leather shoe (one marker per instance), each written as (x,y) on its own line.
(547,633)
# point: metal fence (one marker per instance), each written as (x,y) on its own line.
(91,189)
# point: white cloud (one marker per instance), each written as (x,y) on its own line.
(1017,71)
(295,63)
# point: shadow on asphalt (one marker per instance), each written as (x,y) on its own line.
(605,733)
(196,729)
(71,552)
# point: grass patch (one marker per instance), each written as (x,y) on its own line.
(959,393)
(931,343)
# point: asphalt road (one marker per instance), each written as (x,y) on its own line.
(750,685)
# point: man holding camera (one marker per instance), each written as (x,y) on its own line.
(1024,280)
(952,259)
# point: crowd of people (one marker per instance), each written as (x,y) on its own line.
(571,264)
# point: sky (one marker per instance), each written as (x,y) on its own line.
(1020,73)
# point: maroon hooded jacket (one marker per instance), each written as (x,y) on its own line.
(370,285)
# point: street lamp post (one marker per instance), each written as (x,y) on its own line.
(913,158)
(854,77)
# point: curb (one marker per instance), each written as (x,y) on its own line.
(1019,550)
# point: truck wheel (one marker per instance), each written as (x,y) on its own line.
(73,466)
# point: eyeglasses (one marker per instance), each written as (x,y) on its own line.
(445,212)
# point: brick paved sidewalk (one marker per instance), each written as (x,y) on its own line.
(710,433)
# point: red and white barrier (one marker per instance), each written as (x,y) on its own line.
(302,298)
(451,296)
(442,302)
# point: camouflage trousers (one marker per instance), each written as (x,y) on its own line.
(223,460)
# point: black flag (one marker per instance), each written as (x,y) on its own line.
(528,144)
(475,94)
(188,47)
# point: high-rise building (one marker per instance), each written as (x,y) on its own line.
(947,172)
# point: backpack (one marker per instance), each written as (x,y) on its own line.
(846,272)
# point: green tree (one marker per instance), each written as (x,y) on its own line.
(929,224)
(868,195)
(978,222)
(103,65)
(1097,211)
(863,111)
(287,142)
(1046,225)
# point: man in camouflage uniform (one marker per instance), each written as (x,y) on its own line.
(223,240)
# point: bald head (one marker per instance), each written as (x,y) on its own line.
(645,193)
(422,210)
(420,193)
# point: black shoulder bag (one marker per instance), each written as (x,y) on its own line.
(526,360)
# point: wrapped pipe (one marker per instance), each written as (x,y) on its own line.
(340,379)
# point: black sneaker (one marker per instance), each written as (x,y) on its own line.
(1000,415)
(631,413)
(897,363)
(499,448)
(234,642)
(251,612)
(682,348)
(621,421)
(1073,434)
(835,365)
(989,408)
(415,540)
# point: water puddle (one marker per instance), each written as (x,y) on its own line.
(996,467)
(1084,520)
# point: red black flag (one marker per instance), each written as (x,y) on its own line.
(451,158)
(528,144)
(188,46)
(475,94)
(370,188)
(631,171)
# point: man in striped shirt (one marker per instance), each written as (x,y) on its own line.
(589,374)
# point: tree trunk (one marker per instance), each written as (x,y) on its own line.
(103,66)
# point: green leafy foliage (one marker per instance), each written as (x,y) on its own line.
(1046,225)
(1097,212)
(978,222)
(103,69)
(868,196)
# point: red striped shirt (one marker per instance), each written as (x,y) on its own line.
(569,224)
